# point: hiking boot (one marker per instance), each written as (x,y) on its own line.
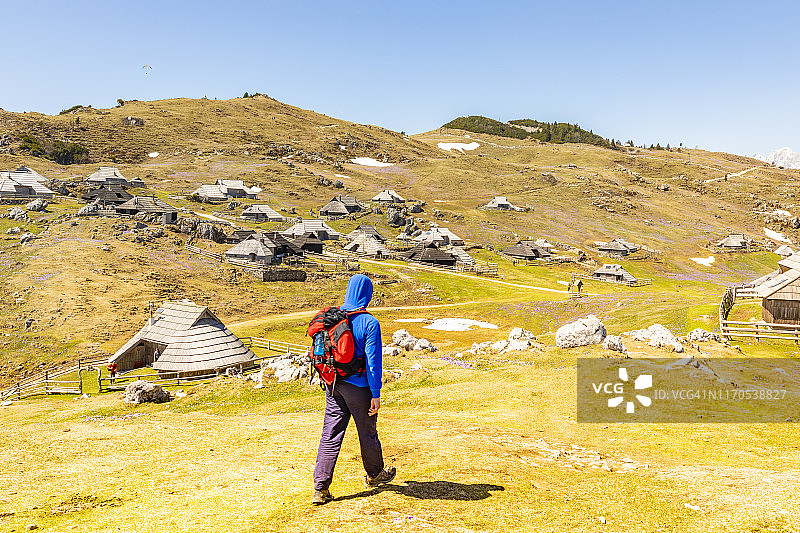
(385,476)
(322,497)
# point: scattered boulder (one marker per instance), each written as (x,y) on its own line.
(144,391)
(702,335)
(520,339)
(290,367)
(36,205)
(6,403)
(58,186)
(415,367)
(614,343)
(404,339)
(14,231)
(26,237)
(338,184)
(424,344)
(233,204)
(394,219)
(391,350)
(582,332)
(17,213)
(88,210)
(657,336)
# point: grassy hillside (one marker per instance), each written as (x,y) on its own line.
(481,443)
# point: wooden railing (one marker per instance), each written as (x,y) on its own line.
(46,382)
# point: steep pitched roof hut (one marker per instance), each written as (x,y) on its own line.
(734,241)
(501,203)
(613,273)
(365,244)
(388,196)
(783,251)
(22,184)
(210,193)
(150,205)
(189,338)
(26,173)
(309,243)
(313,225)
(439,236)
(108,175)
(239,235)
(429,253)
(526,250)
(261,213)
(367,230)
(252,249)
(461,255)
(237,189)
(334,208)
(617,247)
(108,194)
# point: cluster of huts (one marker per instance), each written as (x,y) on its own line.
(110,195)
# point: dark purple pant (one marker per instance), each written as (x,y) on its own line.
(345,401)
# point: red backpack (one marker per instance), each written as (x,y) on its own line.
(332,352)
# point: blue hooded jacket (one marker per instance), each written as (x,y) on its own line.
(366,335)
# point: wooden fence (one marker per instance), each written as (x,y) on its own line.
(752,330)
(47,382)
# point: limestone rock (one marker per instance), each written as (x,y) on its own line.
(582,332)
(702,335)
(657,336)
(89,209)
(14,231)
(424,344)
(36,205)
(404,339)
(26,237)
(391,350)
(144,391)
(614,343)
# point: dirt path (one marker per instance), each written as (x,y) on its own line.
(734,175)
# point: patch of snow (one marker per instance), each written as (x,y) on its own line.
(776,236)
(410,320)
(342,176)
(708,261)
(152,154)
(458,324)
(256,189)
(369,162)
(342,147)
(562,282)
(458,146)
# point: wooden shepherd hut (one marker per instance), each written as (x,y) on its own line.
(189,340)
(526,250)
(780,298)
(430,254)
(614,274)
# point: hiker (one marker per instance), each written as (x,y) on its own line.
(358,396)
(112,371)
(156,355)
(580,285)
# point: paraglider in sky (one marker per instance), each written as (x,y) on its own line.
(147,69)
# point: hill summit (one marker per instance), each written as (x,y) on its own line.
(557,132)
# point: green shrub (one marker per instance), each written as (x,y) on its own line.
(69,153)
(70,110)
(31,144)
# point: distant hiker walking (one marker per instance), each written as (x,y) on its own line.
(356,396)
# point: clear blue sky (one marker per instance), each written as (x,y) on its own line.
(719,75)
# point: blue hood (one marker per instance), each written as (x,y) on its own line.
(359,293)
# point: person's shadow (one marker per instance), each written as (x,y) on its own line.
(433,490)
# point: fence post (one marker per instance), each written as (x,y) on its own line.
(45,381)
(99,380)
(19,397)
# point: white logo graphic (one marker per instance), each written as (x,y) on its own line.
(644,381)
